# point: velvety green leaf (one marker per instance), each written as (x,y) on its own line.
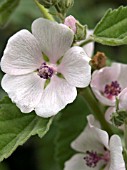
(112,29)
(6,9)
(69,125)
(16,127)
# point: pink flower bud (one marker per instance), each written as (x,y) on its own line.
(70,21)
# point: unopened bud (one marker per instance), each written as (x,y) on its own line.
(80,32)
(64,5)
(70,21)
(98,61)
(48,3)
(78,29)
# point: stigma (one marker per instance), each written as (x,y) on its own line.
(93,158)
(112,90)
(45,71)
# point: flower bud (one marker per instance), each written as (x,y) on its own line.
(48,3)
(80,31)
(70,21)
(64,5)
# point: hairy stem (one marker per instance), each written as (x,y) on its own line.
(44,11)
(86,42)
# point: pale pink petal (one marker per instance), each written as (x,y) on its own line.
(123,99)
(77,162)
(75,67)
(55,39)
(108,113)
(88,141)
(89,48)
(102,77)
(122,79)
(25,90)
(55,97)
(22,54)
(117,161)
(70,21)
(92,138)
(101,135)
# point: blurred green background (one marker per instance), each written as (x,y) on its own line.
(36,153)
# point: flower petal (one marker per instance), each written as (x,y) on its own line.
(122,79)
(89,48)
(123,99)
(75,67)
(24,90)
(108,114)
(102,77)
(77,162)
(55,39)
(91,139)
(101,135)
(55,97)
(22,54)
(117,161)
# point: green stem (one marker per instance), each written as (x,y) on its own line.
(44,11)
(86,42)
(96,111)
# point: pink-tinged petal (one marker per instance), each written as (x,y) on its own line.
(22,54)
(25,90)
(100,79)
(70,21)
(123,99)
(90,139)
(55,39)
(77,162)
(122,79)
(108,114)
(116,157)
(101,135)
(89,48)
(55,97)
(75,67)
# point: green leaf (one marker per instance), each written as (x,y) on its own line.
(16,127)
(112,29)
(6,9)
(69,125)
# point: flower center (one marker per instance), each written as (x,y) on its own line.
(111,90)
(45,71)
(92,158)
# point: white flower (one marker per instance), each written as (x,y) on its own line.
(96,150)
(27,69)
(108,82)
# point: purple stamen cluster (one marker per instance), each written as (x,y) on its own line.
(92,158)
(45,71)
(112,89)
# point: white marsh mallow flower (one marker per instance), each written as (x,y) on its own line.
(108,82)
(42,69)
(96,150)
